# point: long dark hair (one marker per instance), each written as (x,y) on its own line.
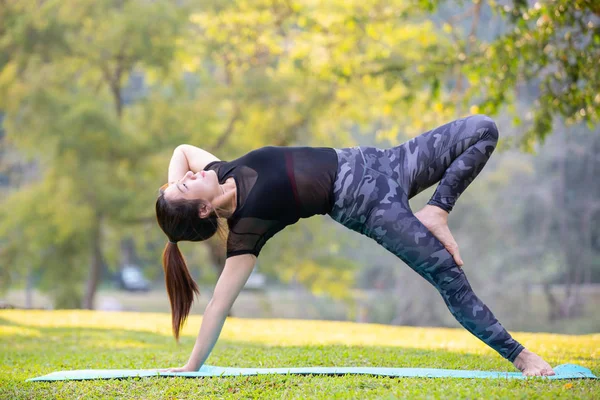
(180,220)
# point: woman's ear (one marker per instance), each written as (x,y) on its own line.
(205,210)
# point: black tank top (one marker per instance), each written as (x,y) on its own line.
(276,186)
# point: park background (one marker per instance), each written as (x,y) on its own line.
(95,96)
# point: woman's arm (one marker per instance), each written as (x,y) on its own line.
(188,158)
(232,280)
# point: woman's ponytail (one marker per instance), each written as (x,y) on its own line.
(180,220)
(180,286)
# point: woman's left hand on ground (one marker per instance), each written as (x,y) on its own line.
(185,368)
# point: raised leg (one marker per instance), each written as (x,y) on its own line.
(452,154)
(372,193)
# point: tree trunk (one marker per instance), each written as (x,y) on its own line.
(573,250)
(29,289)
(128,254)
(96,265)
(555,305)
(217,254)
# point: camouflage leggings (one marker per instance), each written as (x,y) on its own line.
(371,194)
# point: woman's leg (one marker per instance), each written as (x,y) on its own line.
(372,192)
(394,226)
(456,153)
(452,154)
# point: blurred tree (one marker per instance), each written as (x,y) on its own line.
(543,51)
(565,209)
(540,65)
(65,66)
(535,60)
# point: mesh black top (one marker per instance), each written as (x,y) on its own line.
(276,186)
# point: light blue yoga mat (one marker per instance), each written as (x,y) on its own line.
(565,371)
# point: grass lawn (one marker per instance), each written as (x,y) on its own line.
(35,343)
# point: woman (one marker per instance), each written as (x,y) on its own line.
(364,188)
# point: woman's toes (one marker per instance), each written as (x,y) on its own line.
(548,372)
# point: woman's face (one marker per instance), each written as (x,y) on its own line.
(203,185)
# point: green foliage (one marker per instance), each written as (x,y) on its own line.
(549,54)
(45,228)
(62,91)
(318,260)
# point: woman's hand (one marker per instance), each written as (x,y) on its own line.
(188,158)
(185,368)
(436,221)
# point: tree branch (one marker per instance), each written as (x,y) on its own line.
(229,129)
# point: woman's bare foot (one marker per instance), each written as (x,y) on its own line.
(436,220)
(532,365)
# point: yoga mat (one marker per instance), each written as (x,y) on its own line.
(564,371)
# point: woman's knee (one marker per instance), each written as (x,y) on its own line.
(487,125)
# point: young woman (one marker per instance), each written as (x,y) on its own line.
(364,188)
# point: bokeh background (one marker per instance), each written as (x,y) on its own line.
(95,96)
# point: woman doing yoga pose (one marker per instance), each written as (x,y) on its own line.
(364,188)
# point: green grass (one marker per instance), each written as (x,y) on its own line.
(35,343)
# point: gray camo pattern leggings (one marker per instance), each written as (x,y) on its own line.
(371,194)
